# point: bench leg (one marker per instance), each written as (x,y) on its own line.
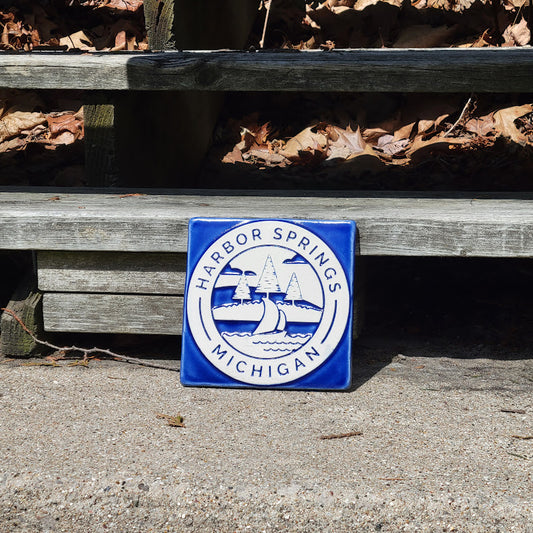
(26,303)
(101,165)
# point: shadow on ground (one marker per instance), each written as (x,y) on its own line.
(483,304)
(465,308)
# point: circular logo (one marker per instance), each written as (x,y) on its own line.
(268,302)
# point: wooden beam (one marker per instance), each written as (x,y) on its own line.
(111,272)
(101,165)
(397,70)
(185,25)
(26,303)
(409,224)
(118,313)
(163,137)
(113,313)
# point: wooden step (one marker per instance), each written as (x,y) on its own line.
(113,313)
(111,272)
(391,70)
(388,223)
(112,292)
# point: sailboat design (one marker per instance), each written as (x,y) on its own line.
(273,320)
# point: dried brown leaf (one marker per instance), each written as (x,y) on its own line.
(372,135)
(17,143)
(517,34)
(422,150)
(344,143)
(78,41)
(67,122)
(515,4)
(389,146)
(175,421)
(481,126)
(362,4)
(124,5)
(405,131)
(504,121)
(14,122)
(308,140)
(235,156)
(447,5)
(265,156)
(345,3)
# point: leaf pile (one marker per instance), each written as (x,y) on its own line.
(422,125)
(362,135)
(43,130)
(107,25)
(347,141)
(394,23)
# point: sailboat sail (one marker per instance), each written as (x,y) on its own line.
(273,319)
(282,322)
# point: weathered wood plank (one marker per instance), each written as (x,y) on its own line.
(115,313)
(111,272)
(112,313)
(410,225)
(407,70)
(26,303)
(183,25)
(101,165)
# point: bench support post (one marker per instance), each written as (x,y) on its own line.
(26,303)
(161,138)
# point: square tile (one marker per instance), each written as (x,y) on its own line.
(268,304)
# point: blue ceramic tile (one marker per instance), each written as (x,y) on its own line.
(268,304)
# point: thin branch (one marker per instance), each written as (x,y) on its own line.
(465,108)
(86,351)
(341,435)
(268,6)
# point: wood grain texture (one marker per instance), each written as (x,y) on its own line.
(111,272)
(115,313)
(101,167)
(112,313)
(26,303)
(400,225)
(159,22)
(407,70)
(175,128)
(183,25)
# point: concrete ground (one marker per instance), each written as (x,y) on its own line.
(441,438)
(445,445)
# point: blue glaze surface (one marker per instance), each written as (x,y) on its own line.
(268,304)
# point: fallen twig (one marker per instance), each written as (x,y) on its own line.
(341,435)
(85,351)
(523,437)
(517,455)
(465,108)
(268,5)
(515,411)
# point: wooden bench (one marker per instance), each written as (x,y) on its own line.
(109,261)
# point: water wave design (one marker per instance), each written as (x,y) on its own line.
(266,345)
(277,343)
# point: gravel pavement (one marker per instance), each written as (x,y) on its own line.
(439,448)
